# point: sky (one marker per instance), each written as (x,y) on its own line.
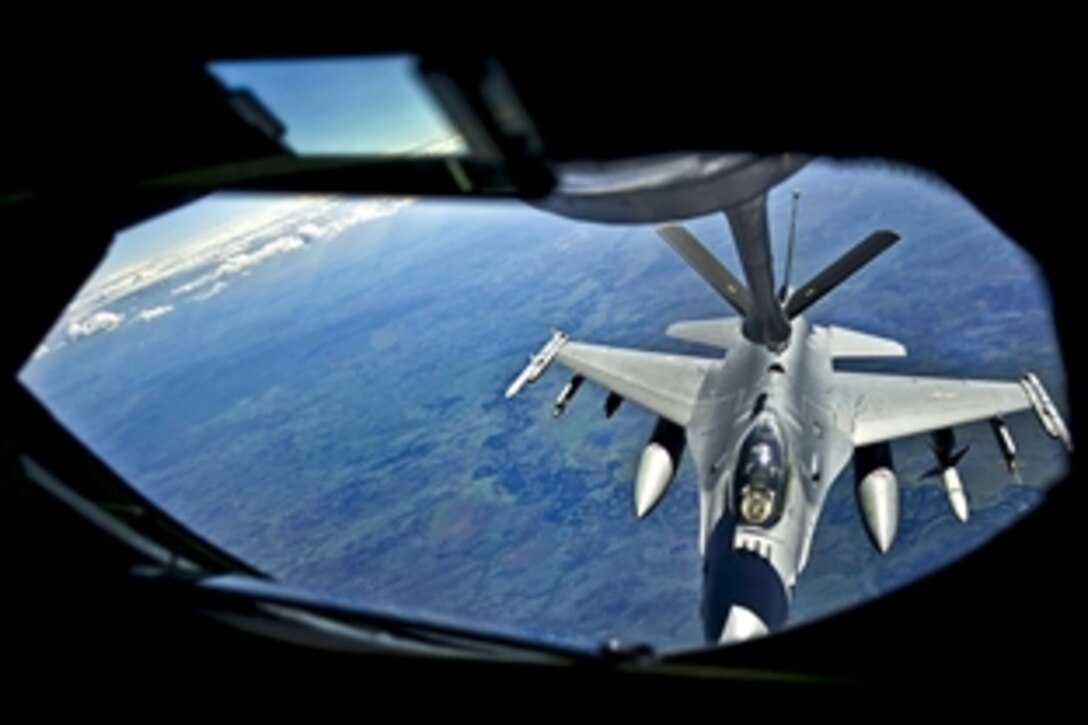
(175,228)
(373,105)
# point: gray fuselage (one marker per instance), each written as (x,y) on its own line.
(761,442)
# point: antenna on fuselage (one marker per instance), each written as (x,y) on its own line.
(784,290)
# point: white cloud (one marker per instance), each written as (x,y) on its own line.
(448,146)
(364,211)
(150,314)
(211,291)
(102,321)
(40,352)
(244,261)
(312,230)
(201,281)
(228,250)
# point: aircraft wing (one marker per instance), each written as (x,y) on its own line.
(877,408)
(665,384)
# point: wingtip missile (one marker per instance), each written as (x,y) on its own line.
(515,387)
(538,363)
(1048,414)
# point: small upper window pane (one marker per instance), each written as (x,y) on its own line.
(347,106)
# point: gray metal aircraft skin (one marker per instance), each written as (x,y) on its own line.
(771,424)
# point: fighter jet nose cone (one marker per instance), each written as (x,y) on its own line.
(742,624)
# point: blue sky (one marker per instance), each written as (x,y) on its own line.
(374,105)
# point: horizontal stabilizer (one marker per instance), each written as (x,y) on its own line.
(731,289)
(723,332)
(812,291)
(852,344)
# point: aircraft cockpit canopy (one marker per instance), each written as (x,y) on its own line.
(762,474)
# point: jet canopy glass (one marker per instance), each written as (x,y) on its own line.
(762,474)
